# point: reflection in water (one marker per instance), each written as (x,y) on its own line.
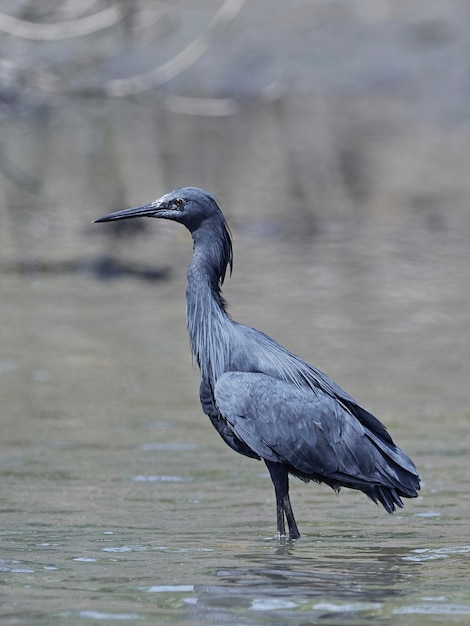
(126,574)
(286,584)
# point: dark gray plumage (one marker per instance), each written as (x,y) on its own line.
(265,401)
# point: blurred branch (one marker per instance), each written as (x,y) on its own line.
(218,107)
(184,59)
(54,83)
(62,30)
(208,107)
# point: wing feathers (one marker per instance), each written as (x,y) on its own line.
(314,434)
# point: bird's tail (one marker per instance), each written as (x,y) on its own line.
(386,496)
(398,476)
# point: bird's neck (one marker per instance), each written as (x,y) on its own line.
(207,320)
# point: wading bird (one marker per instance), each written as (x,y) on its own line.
(264,401)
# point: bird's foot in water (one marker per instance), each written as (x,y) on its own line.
(285,539)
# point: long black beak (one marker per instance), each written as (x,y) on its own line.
(153,209)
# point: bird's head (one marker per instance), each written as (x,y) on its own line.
(189,206)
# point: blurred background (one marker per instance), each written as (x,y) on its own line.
(336,135)
(306,120)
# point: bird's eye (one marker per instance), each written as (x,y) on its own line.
(177,204)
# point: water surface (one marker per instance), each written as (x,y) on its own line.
(121,504)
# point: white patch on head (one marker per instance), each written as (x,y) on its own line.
(159,201)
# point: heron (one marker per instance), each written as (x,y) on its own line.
(265,401)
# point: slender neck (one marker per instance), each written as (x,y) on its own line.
(207,320)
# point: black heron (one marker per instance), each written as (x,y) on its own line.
(264,401)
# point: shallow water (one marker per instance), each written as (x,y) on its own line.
(120,503)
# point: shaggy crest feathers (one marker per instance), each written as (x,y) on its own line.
(205,305)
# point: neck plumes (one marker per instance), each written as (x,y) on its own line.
(208,323)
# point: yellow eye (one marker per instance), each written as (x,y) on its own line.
(177,204)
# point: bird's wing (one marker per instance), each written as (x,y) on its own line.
(313,433)
(265,355)
(220,423)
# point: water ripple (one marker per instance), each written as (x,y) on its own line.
(434,609)
(432,554)
(161,479)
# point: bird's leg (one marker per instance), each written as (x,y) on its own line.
(293,530)
(280,479)
(281,524)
